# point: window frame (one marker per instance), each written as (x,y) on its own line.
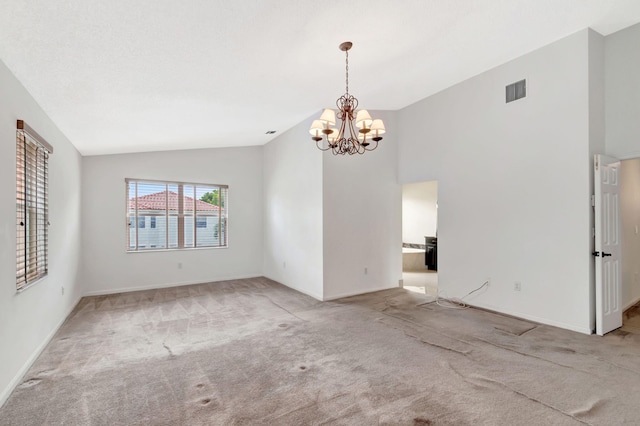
(223,215)
(32,206)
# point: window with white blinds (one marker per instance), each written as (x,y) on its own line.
(32,205)
(175,215)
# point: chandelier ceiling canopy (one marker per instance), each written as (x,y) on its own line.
(346,139)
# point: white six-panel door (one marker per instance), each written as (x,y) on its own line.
(607,244)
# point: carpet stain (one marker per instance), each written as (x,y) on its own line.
(564,350)
(283,325)
(421,421)
(620,333)
(560,349)
(302,367)
(199,385)
(205,401)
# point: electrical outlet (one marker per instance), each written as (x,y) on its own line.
(179,265)
(401,283)
(517,286)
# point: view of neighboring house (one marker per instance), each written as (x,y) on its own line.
(154,218)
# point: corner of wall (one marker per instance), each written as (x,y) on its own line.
(362,218)
(597,132)
(292,251)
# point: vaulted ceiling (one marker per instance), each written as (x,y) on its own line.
(145,75)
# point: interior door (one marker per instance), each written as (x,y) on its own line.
(607,244)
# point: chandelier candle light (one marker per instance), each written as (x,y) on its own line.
(346,140)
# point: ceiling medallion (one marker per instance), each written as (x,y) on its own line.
(346,139)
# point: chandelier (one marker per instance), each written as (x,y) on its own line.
(346,139)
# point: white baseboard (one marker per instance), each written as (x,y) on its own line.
(357,293)
(6,392)
(583,330)
(298,289)
(165,285)
(331,297)
(630,304)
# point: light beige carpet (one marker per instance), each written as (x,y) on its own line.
(253,352)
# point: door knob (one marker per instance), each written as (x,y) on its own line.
(605,254)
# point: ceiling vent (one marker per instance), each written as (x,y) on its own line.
(516,90)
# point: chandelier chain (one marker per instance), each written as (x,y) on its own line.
(347,70)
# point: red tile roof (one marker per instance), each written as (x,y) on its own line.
(158,200)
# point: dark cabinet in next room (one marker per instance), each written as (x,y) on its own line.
(431,253)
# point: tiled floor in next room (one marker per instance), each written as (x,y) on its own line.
(425,282)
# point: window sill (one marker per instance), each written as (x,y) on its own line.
(156,250)
(31,284)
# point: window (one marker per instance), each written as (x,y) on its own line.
(181,215)
(32,205)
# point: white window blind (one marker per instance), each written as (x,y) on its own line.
(175,215)
(32,205)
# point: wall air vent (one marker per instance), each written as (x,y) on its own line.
(516,90)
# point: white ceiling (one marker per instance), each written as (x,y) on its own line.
(145,75)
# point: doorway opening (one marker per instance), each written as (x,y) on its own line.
(420,237)
(630,243)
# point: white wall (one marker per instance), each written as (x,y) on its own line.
(513,187)
(362,218)
(293,211)
(622,67)
(630,228)
(108,268)
(328,217)
(29,319)
(622,59)
(419,211)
